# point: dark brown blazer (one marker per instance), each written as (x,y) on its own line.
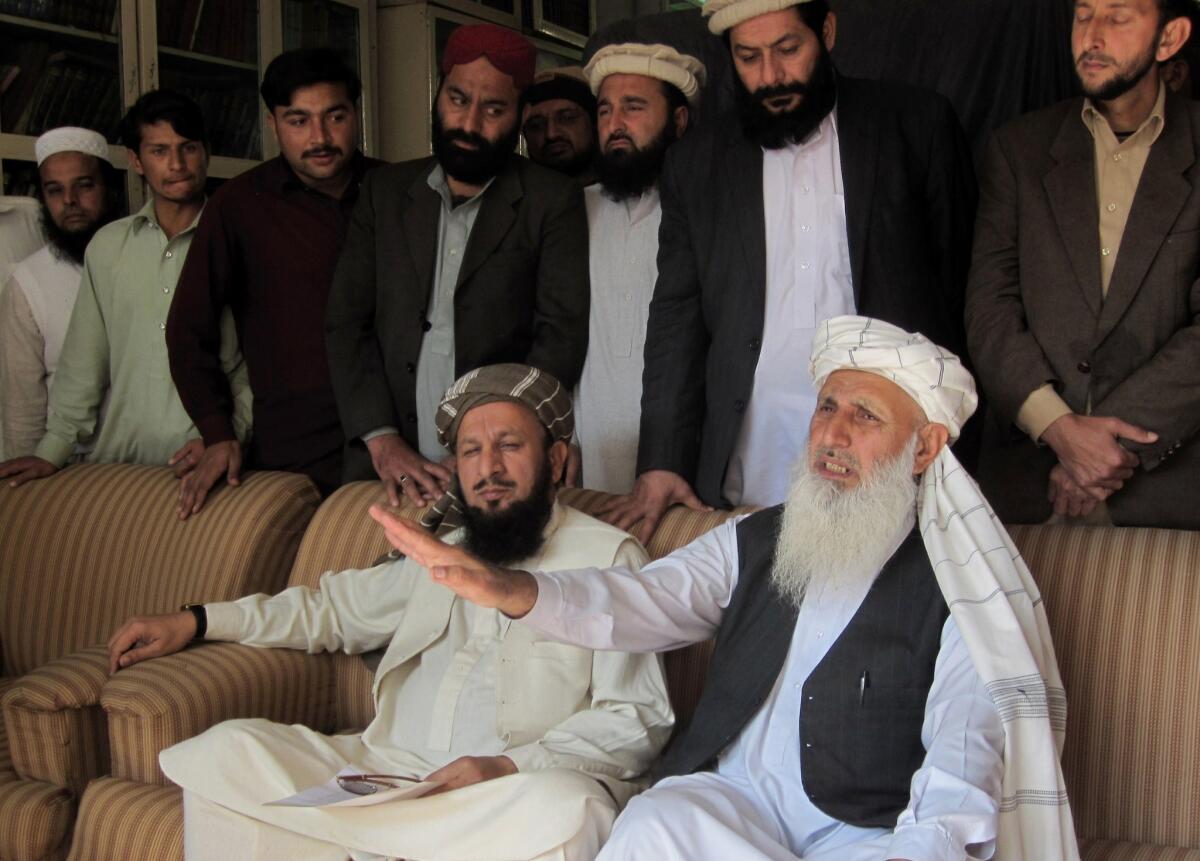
(522,294)
(1036,312)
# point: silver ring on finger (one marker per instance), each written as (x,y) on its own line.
(403,480)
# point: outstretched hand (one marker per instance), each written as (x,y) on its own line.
(511,592)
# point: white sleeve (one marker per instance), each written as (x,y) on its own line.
(353,611)
(674,601)
(953,803)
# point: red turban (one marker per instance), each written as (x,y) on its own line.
(509,52)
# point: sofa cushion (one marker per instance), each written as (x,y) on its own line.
(1124,611)
(96,543)
(1115,850)
(56,730)
(120,819)
(35,819)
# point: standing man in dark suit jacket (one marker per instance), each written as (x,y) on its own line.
(830,196)
(473,257)
(1083,306)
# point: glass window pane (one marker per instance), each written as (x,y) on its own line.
(209,50)
(573,15)
(322,24)
(59,65)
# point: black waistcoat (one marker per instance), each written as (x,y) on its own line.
(860,743)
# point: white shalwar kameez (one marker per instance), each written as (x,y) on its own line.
(754,805)
(456,680)
(623,260)
(808,280)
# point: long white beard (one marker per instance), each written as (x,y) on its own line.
(833,540)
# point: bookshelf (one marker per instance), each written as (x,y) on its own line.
(83,62)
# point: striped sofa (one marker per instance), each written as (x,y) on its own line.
(1124,607)
(79,553)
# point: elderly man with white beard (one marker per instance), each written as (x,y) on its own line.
(883,684)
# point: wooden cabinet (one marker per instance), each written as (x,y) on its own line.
(84,62)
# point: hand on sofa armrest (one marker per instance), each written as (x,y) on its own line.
(56,730)
(156,704)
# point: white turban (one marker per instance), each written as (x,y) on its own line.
(71,139)
(655,61)
(931,375)
(723,14)
(992,597)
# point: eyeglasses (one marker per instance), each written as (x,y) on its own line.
(369,784)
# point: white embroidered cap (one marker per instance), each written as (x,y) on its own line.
(723,14)
(71,139)
(656,61)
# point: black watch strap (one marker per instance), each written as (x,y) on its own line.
(201,615)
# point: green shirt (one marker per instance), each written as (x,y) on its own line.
(113,367)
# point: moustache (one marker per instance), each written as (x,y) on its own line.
(473,138)
(485,483)
(843,456)
(320,151)
(1094,56)
(791,88)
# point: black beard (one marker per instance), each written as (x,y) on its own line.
(513,533)
(477,166)
(1122,83)
(626,174)
(775,131)
(69,244)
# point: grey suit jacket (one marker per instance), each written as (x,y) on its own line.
(1036,312)
(910,197)
(522,293)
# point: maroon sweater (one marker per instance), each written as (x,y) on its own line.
(266,246)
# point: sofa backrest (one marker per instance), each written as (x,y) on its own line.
(96,543)
(1124,611)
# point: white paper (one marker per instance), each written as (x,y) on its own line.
(329,794)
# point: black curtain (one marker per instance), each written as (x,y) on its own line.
(994,59)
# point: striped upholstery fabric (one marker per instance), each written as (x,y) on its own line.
(110,531)
(1124,609)
(156,704)
(55,727)
(120,820)
(1111,850)
(35,820)
(82,551)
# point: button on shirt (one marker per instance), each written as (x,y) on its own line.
(623,239)
(808,280)
(115,342)
(435,361)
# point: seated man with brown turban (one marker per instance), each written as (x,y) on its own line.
(883,684)
(534,738)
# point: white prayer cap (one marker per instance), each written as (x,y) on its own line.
(931,375)
(723,14)
(655,61)
(71,139)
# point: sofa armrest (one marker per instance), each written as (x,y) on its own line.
(56,729)
(158,703)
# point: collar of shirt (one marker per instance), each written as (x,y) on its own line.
(283,178)
(1145,135)
(147,215)
(437,181)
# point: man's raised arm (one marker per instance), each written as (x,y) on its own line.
(671,602)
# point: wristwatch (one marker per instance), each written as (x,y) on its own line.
(198,611)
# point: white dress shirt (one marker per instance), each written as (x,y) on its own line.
(623,262)
(808,280)
(679,599)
